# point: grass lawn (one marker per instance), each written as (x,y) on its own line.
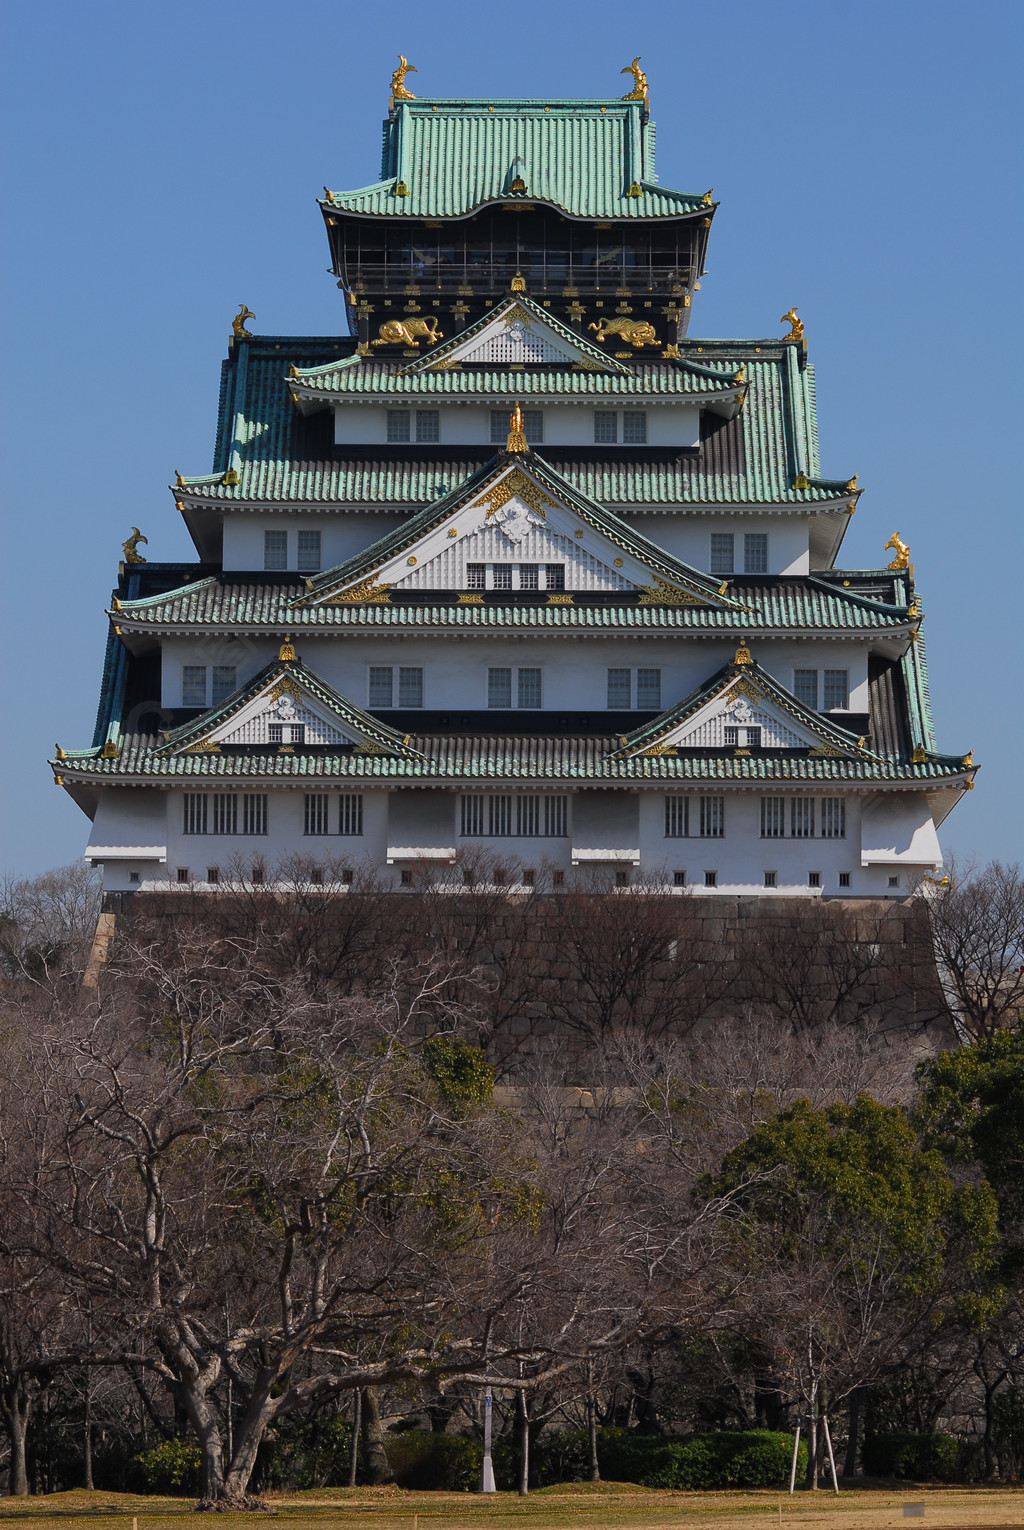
(597,1506)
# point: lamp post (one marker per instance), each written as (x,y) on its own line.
(487,1474)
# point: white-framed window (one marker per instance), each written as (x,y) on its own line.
(225,813)
(504,816)
(309,556)
(554,576)
(742,738)
(506,681)
(225,681)
(195,813)
(805,687)
(620,690)
(350,821)
(476,576)
(428,425)
(833,818)
(317,815)
(723,556)
(803,818)
(712,817)
(254,815)
(677,817)
(634,427)
(193,685)
(755,552)
(642,684)
(398,425)
(501,574)
(707,818)
(648,690)
(515,576)
(533,426)
(381,689)
(529,576)
(275,549)
(606,427)
(837,689)
(773,817)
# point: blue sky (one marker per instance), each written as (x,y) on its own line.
(161,166)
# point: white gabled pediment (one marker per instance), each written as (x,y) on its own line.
(515,335)
(283,712)
(742,707)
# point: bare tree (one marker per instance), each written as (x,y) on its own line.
(978,930)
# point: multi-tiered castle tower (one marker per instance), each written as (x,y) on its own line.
(516,563)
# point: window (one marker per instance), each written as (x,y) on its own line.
(275,549)
(472,817)
(802,817)
(502,576)
(755,553)
(722,555)
(533,426)
(529,876)
(558,879)
(894,881)
(555,817)
(350,821)
(410,686)
(833,818)
(677,817)
(712,818)
(499,816)
(771,879)
(346,876)
(317,813)
(742,738)
(606,426)
(195,813)
(133,876)
(275,733)
(259,871)
(476,576)
(428,425)
(381,686)
(193,685)
(814,879)
(844,879)
(308,561)
(499,687)
(634,427)
(398,425)
(679,879)
(528,576)
(619,689)
(837,688)
(554,574)
(622,879)
(805,687)
(407,878)
(225,813)
(773,817)
(184,875)
(224,682)
(529,688)
(254,816)
(648,690)
(213,874)
(711,879)
(316,876)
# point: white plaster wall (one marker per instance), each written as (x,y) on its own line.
(465,424)
(342,535)
(574,667)
(688,536)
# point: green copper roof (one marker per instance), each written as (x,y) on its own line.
(283,459)
(367,379)
(581,157)
(785,605)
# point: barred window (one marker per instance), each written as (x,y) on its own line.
(773,817)
(837,688)
(398,425)
(606,426)
(350,821)
(619,689)
(473,816)
(712,817)
(193,685)
(275,549)
(648,689)
(529,688)
(755,552)
(428,425)
(254,814)
(499,816)
(410,686)
(634,427)
(502,576)
(802,817)
(677,817)
(476,576)
(554,576)
(528,576)
(224,682)
(499,687)
(381,685)
(275,733)
(556,817)
(308,561)
(225,813)
(805,687)
(528,817)
(833,818)
(195,813)
(317,817)
(722,554)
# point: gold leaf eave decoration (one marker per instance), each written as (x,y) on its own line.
(517,485)
(370,592)
(662,593)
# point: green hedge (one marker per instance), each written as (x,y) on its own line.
(916,1457)
(173,1466)
(726,1458)
(422,1459)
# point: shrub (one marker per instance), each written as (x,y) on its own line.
(422,1459)
(917,1457)
(171,1467)
(725,1458)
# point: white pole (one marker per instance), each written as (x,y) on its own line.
(831,1457)
(796,1452)
(487,1475)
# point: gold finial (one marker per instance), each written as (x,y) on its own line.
(109,751)
(742,655)
(329,197)
(286,653)
(398,90)
(518,283)
(797,330)
(741,375)
(238,328)
(968,760)
(61,754)
(919,756)
(851,487)
(635,189)
(293,370)
(862,741)
(709,196)
(723,586)
(902,551)
(401,189)
(516,436)
(179,482)
(129,547)
(801,481)
(639,91)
